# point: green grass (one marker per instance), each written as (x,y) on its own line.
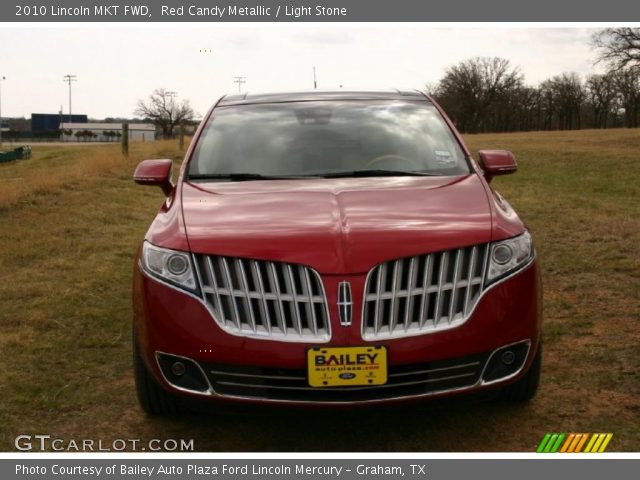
(72,218)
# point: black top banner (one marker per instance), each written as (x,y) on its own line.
(320,11)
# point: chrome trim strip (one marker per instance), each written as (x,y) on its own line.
(296,306)
(409,302)
(274,377)
(263,296)
(275,287)
(309,295)
(247,297)
(232,296)
(455,289)
(345,389)
(216,291)
(485,263)
(420,372)
(472,267)
(397,271)
(424,304)
(382,270)
(444,264)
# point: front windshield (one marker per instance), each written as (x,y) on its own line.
(327,137)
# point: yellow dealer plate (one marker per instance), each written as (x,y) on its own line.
(347,366)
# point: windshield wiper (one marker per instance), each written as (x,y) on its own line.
(241,177)
(375,173)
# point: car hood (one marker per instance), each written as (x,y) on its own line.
(336,226)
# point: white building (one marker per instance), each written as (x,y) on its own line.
(107,132)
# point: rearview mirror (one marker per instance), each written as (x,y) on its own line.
(155,172)
(497,162)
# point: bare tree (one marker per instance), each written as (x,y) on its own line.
(563,97)
(601,93)
(619,47)
(164,111)
(524,107)
(628,88)
(471,88)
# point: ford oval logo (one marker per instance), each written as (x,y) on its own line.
(347,376)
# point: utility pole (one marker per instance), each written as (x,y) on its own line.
(70,78)
(315,84)
(239,81)
(171,95)
(2,78)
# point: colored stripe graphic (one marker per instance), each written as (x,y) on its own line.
(574,443)
(599,442)
(543,443)
(556,445)
(567,442)
(607,439)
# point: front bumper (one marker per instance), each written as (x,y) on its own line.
(171,324)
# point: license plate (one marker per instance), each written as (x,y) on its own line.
(347,366)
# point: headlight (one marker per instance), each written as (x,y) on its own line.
(509,255)
(170,265)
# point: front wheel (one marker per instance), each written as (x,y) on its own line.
(525,389)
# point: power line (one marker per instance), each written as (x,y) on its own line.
(70,78)
(239,81)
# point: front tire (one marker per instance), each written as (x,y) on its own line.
(153,399)
(525,389)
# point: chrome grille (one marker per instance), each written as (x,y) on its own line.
(422,294)
(258,298)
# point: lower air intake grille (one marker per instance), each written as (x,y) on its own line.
(291,384)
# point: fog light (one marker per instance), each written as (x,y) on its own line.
(178,369)
(508,357)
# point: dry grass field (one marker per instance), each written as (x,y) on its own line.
(70,220)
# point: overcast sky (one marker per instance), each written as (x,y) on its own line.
(117,65)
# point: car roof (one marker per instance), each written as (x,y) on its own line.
(311,95)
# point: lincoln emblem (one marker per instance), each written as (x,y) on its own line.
(345,303)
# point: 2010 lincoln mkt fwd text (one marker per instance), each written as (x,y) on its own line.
(333,248)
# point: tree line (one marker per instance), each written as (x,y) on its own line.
(490,95)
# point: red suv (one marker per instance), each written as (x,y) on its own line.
(333,248)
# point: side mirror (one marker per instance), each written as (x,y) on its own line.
(497,162)
(155,172)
